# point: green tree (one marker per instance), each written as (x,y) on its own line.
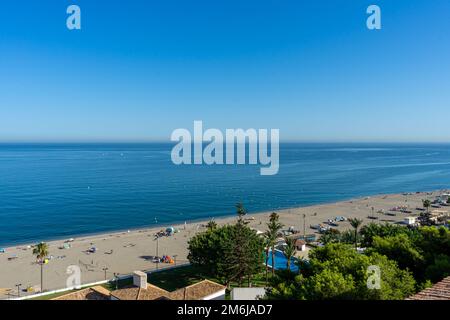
(426,204)
(336,271)
(329,284)
(268,241)
(422,250)
(230,252)
(274,226)
(395,284)
(289,251)
(425,216)
(355,223)
(433,241)
(401,249)
(348,237)
(330,236)
(244,254)
(439,268)
(41,253)
(285,286)
(369,231)
(207,251)
(240,210)
(211,225)
(434,244)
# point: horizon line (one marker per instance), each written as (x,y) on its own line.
(174,142)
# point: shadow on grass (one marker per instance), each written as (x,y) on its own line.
(180,277)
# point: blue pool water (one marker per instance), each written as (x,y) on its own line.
(63,190)
(281,261)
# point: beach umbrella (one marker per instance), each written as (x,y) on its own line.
(170,230)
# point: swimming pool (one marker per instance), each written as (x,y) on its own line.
(281,261)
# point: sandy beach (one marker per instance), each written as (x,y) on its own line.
(124,252)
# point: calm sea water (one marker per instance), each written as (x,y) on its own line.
(58,191)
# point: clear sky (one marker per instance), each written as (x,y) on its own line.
(140,69)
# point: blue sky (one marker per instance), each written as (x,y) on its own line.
(139,69)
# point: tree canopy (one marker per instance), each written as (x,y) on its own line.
(230,252)
(337,271)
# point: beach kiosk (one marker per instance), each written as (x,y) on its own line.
(409,221)
(300,245)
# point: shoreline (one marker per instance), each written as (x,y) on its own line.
(122,252)
(102,234)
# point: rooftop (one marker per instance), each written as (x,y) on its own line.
(196,291)
(135,293)
(440,291)
(93,293)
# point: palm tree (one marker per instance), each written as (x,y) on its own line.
(211,225)
(240,210)
(301,263)
(289,251)
(426,204)
(41,253)
(425,217)
(268,240)
(274,226)
(355,223)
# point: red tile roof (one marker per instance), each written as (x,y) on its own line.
(197,291)
(439,291)
(94,293)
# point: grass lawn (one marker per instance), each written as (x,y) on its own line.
(177,278)
(171,280)
(111,286)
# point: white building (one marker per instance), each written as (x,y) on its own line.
(409,220)
(300,245)
(247,293)
(443,197)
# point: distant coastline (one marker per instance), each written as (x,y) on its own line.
(204,221)
(102,234)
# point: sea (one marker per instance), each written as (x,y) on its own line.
(57,191)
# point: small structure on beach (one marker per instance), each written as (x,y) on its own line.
(307,238)
(300,245)
(409,221)
(443,198)
(438,216)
